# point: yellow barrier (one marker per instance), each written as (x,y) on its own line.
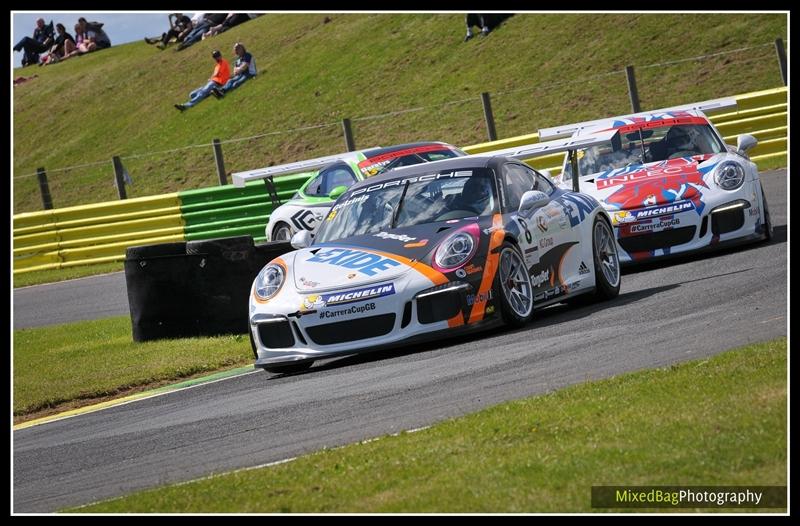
(94,233)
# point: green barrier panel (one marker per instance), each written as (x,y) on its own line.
(226,203)
(99,240)
(228,223)
(260,210)
(252,230)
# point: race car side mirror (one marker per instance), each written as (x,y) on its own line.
(746,142)
(301,239)
(336,192)
(531,200)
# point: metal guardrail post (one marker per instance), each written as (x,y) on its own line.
(350,144)
(632,91)
(488,116)
(47,201)
(781,51)
(223,178)
(119,179)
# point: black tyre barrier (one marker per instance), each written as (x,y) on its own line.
(202,290)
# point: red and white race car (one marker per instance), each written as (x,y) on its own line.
(669,182)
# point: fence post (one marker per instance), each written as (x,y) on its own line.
(119,179)
(223,178)
(781,51)
(632,91)
(489,116)
(47,201)
(350,144)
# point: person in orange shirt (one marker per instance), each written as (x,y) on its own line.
(222,72)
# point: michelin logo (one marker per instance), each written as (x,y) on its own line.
(625,216)
(358,295)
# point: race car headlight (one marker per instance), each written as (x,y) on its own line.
(269,281)
(729,175)
(455,251)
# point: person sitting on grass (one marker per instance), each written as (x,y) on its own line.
(222,72)
(179,30)
(43,38)
(63,45)
(201,23)
(244,69)
(93,34)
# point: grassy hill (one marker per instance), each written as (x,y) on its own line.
(315,69)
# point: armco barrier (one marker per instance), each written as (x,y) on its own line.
(101,232)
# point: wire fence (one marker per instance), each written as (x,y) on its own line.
(517,110)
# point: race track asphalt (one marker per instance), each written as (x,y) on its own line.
(670,312)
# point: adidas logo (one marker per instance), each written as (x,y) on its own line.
(583,269)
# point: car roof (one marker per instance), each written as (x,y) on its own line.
(374,152)
(455,163)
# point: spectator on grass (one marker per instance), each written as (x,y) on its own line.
(222,72)
(178,30)
(63,45)
(42,39)
(244,69)
(203,24)
(93,33)
(233,19)
(486,22)
(82,44)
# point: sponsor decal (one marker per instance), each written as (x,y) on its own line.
(331,215)
(312,302)
(461,273)
(531,250)
(356,309)
(308,283)
(546,242)
(420,243)
(640,228)
(363,262)
(577,207)
(541,223)
(351,275)
(754,211)
(631,216)
(367,293)
(583,269)
(421,178)
(398,237)
(305,219)
(351,201)
(490,309)
(538,279)
(480,298)
(472,269)
(649,200)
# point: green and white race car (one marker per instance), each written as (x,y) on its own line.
(330,177)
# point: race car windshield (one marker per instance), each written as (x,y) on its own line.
(647,146)
(414,201)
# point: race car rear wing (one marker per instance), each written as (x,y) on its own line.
(709,106)
(240,178)
(571,145)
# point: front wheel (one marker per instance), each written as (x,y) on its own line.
(767,218)
(514,287)
(282,232)
(606,260)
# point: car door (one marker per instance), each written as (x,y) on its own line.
(546,233)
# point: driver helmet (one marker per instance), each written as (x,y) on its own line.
(678,139)
(477,194)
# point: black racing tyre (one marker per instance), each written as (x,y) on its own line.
(513,286)
(289,368)
(768,230)
(606,260)
(281,232)
(158,250)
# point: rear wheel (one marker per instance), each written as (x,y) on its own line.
(514,287)
(606,260)
(282,232)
